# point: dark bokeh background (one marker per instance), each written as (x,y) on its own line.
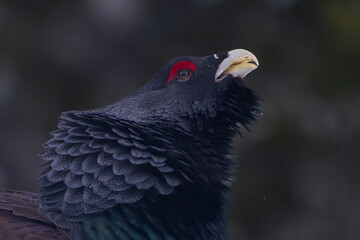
(299,169)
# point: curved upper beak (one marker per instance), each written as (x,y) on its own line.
(238,63)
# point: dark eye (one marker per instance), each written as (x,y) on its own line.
(183,75)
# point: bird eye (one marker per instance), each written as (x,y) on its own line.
(183,75)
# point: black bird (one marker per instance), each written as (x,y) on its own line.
(155,165)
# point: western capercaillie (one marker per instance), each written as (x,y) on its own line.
(155,165)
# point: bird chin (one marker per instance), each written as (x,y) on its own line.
(229,82)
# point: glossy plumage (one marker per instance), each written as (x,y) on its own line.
(20,219)
(155,165)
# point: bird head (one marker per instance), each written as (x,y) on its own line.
(173,133)
(195,93)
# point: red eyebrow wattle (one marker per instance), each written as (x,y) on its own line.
(181,65)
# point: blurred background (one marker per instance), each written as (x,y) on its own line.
(299,168)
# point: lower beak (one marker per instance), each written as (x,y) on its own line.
(238,64)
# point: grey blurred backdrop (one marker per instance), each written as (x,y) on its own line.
(298,170)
